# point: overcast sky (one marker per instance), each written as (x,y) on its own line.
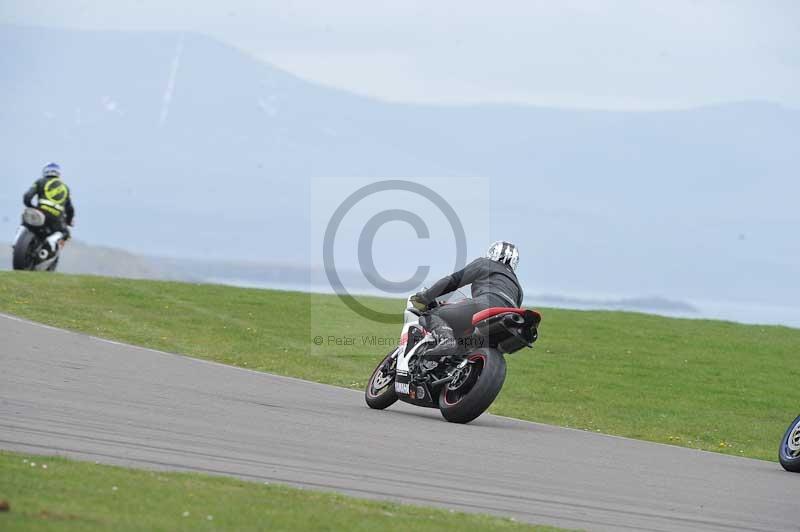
(596,54)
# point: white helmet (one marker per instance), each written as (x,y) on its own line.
(505,252)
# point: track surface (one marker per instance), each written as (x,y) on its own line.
(74,395)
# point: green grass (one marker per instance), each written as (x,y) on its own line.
(705,384)
(71,495)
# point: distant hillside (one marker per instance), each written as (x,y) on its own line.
(79,257)
(178,145)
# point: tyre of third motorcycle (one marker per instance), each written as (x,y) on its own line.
(22,259)
(473,391)
(380,392)
(789,451)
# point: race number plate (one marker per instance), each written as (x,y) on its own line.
(401,383)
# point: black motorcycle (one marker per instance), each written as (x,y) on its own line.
(789,451)
(31,250)
(462,384)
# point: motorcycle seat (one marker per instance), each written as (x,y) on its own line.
(494,311)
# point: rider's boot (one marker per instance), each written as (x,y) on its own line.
(445,343)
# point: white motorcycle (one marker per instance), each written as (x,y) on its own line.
(461,384)
(35,248)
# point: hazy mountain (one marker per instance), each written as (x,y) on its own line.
(180,145)
(78,257)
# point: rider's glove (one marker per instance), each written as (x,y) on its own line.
(418,303)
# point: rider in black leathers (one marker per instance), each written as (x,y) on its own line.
(54,200)
(494,284)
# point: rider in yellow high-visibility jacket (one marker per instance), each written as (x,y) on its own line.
(54,200)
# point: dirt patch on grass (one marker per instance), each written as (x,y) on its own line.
(56,516)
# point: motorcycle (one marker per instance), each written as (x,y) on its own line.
(31,249)
(789,451)
(461,384)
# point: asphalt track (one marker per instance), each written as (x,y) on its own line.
(82,397)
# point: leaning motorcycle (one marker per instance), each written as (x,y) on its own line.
(31,250)
(461,384)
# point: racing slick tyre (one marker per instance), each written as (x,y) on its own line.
(789,451)
(22,259)
(474,388)
(380,392)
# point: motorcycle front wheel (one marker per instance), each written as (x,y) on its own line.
(474,387)
(789,451)
(380,392)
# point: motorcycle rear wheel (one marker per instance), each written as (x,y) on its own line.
(380,392)
(22,259)
(53,265)
(474,390)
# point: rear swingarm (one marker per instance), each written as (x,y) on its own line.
(450,376)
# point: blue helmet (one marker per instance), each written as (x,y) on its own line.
(51,170)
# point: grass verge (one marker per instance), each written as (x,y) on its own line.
(46,493)
(704,384)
